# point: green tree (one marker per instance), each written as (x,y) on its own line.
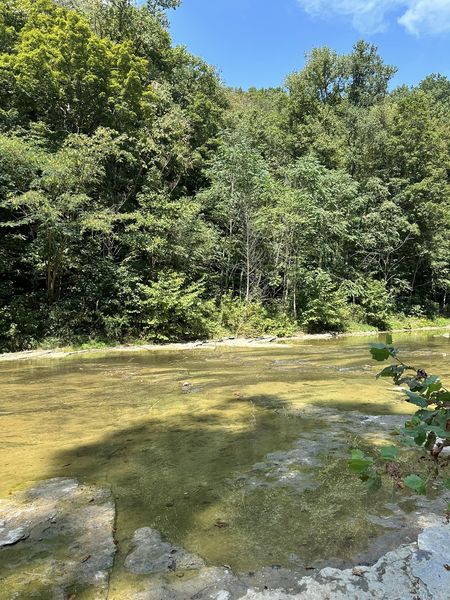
(369,76)
(240,186)
(64,75)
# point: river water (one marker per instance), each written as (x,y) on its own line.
(198,443)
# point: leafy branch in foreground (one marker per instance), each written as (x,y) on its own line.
(428,428)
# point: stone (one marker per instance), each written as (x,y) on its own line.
(411,572)
(151,554)
(60,536)
(57,488)
(210,583)
(386,522)
(429,560)
(69,545)
(11,536)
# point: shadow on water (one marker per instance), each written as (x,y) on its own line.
(180,476)
(170,474)
(163,473)
(172,459)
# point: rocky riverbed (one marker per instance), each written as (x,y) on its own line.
(224,477)
(56,538)
(57,542)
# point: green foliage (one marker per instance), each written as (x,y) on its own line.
(428,428)
(389,453)
(249,319)
(65,76)
(326,307)
(363,466)
(382,352)
(415,483)
(359,463)
(376,303)
(123,160)
(170,309)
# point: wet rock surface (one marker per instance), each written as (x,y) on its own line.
(56,538)
(297,467)
(411,572)
(57,542)
(9,536)
(151,554)
(431,561)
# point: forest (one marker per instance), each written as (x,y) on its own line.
(142,199)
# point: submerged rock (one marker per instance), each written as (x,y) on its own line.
(413,571)
(69,549)
(151,554)
(325,436)
(56,536)
(210,583)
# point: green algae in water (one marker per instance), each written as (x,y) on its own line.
(173,459)
(270,525)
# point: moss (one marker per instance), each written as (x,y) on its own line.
(328,522)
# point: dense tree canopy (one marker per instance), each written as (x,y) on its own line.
(139,197)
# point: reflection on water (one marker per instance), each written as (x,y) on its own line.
(177,436)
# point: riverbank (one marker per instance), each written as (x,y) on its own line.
(260,341)
(212,475)
(78,520)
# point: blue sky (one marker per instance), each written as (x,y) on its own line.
(258,42)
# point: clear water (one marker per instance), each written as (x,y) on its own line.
(174,433)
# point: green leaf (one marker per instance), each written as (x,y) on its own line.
(447,483)
(416,399)
(359,466)
(431,440)
(420,437)
(426,415)
(389,453)
(440,418)
(433,384)
(416,483)
(392,371)
(359,463)
(407,441)
(381,352)
(444,397)
(357,454)
(439,431)
(414,385)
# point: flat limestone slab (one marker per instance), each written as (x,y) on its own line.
(56,538)
(411,572)
(56,542)
(151,554)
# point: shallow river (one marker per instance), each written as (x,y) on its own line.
(182,438)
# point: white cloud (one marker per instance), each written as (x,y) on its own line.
(372,16)
(367,16)
(427,16)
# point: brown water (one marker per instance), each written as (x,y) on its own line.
(176,456)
